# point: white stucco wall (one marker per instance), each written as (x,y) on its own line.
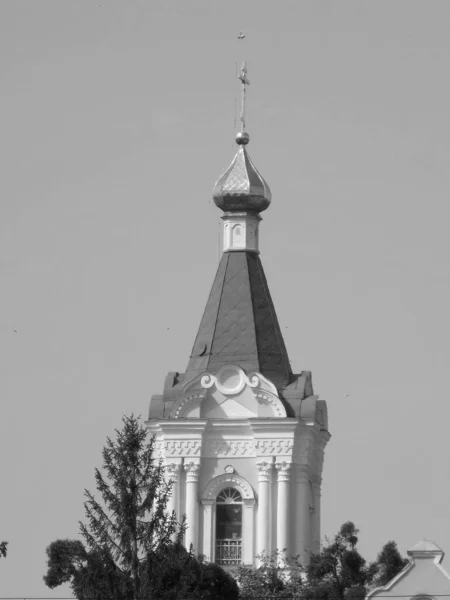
(234,423)
(423,576)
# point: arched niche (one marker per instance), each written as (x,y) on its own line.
(209,509)
(228,480)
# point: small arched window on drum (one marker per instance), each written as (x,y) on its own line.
(229,527)
(237,236)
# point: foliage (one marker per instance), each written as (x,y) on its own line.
(177,573)
(337,572)
(276,577)
(88,572)
(132,546)
(169,574)
(388,564)
(3,550)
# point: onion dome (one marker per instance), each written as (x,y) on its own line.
(242,187)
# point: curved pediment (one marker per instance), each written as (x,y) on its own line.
(229,394)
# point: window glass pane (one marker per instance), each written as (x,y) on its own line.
(228,521)
(229,495)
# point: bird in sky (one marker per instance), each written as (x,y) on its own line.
(241,36)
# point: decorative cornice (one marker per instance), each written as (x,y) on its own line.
(274,447)
(182,447)
(158,449)
(224,448)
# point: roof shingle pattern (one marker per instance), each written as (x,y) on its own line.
(239,324)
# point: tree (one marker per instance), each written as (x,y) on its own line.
(129,546)
(3,550)
(178,574)
(166,575)
(338,570)
(388,564)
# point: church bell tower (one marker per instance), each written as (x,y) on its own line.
(242,437)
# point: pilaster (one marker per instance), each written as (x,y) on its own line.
(173,475)
(315,517)
(192,477)
(208,531)
(248,534)
(283,506)
(302,514)
(264,493)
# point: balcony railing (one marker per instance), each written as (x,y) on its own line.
(228,552)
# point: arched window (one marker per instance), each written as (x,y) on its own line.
(229,527)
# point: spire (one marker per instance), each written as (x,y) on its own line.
(241,187)
(239,324)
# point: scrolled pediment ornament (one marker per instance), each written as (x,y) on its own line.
(229,380)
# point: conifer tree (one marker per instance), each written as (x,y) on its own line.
(127,526)
(132,522)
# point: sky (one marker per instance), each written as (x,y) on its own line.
(116,118)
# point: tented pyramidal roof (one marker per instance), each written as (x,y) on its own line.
(239,324)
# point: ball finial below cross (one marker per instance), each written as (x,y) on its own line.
(242,138)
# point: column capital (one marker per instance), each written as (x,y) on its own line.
(264,471)
(284,470)
(207,502)
(173,470)
(192,471)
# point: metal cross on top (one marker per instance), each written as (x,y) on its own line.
(243,77)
